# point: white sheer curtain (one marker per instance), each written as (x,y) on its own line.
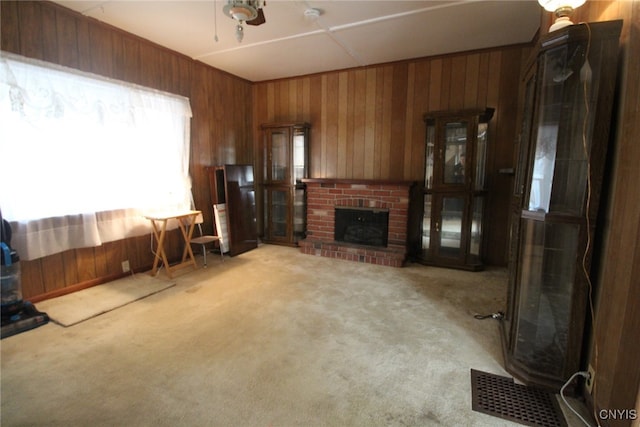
(84,157)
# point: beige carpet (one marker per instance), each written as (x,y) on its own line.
(268,338)
(77,307)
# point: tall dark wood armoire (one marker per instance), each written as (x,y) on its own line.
(568,92)
(233,185)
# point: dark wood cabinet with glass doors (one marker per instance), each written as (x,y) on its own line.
(454,188)
(568,93)
(286,163)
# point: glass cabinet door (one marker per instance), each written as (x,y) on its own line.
(299,214)
(278,155)
(299,156)
(454,151)
(549,254)
(451,226)
(477,215)
(560,163)
(481,156)
(429,154)
(277,210)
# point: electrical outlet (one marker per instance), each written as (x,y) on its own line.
(588,384)
(125,266)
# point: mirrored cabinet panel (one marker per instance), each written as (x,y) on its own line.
(286,154)
(454,188)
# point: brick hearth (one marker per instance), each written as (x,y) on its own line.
(323,195)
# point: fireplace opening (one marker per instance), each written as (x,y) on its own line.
(362,226)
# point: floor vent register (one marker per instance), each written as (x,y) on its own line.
(503,398)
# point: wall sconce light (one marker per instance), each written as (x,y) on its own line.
(562,10)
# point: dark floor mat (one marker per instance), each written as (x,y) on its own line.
(503,398)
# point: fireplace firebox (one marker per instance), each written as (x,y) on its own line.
(362,226)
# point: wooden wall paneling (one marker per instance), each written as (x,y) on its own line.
(49,44)
(271,103)
(245,125)
(114,253)
(435,85)
(341,151)
(54,275)
(140,258)
(184,76)
(131,60)
(67,40)
(102,58)
(315,119)
(259,93)
(458,75)
(216,113)
(84,44)
(351,159)
(397,127)
(281,100)
(30,16)
(383,125)
(86,259)
(166,72)
(410,118)
(118,55)
(100,259)
(483,78)
(471,81)
(292,102)
(358,112)
(420,92)
(69,260)
(32,279)
(371,108)
(306,101)
(9,30)
(445,95)
(330,125)
(132,254)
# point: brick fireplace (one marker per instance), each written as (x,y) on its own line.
(325,195)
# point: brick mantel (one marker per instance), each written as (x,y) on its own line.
(323,195)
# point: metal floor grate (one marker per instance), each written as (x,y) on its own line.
(503,398)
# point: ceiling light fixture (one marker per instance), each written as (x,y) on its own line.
(562,10)
(245,11)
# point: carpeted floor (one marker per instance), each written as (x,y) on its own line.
(268,338)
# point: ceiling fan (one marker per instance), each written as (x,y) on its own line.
(245,11)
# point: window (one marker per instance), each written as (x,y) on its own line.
(84,157)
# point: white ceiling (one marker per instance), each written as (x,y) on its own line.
(347,34)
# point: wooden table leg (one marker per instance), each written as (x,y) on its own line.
(187,233)
(160,254)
